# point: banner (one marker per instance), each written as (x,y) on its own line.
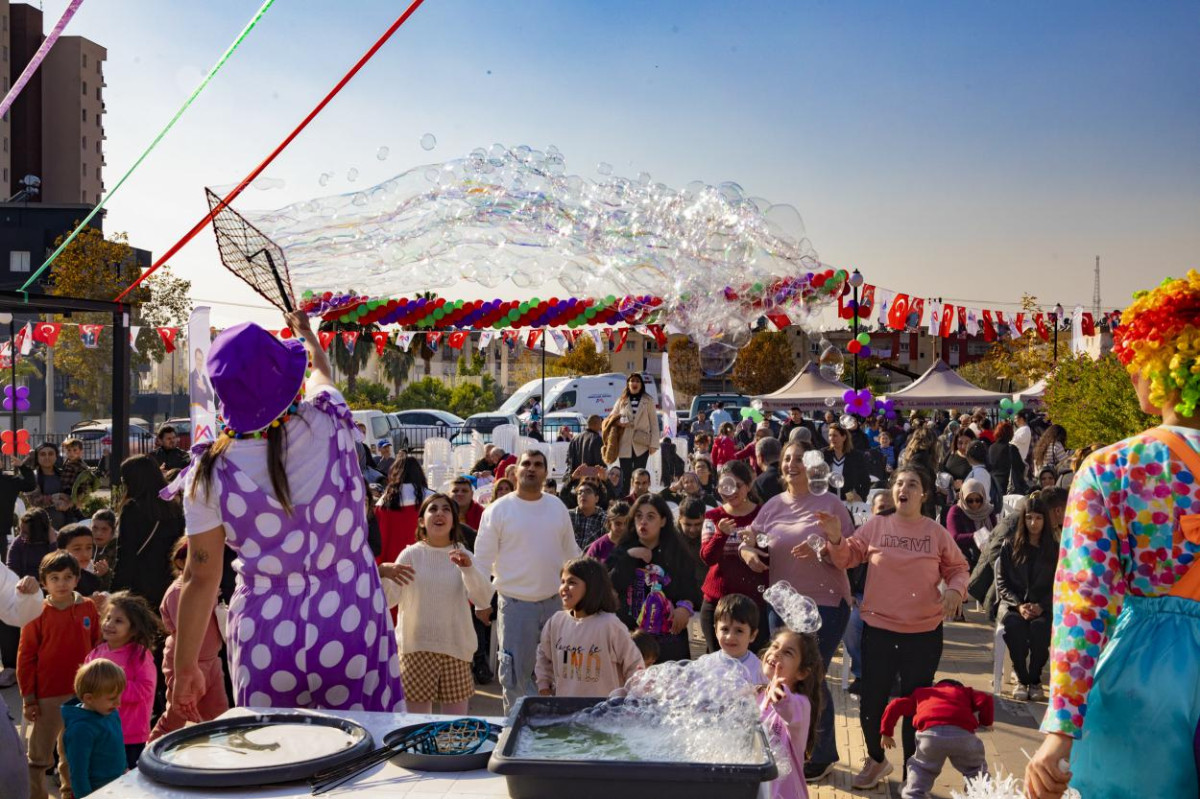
(202,404)
(24,339)
(866,302)
(134,330)
(883,301)
(47,333)
(557,342)
(1089,324)
(1039,322)
(1077,347)
(597,338)
(935,318)
(350,340)
(457,339)
(535,336)
(622,335)
(433,338)
(485,338)
(404,340)
(380,337)
(167,334)
(666,398)
(89,335)
(660,336)
(989,327)
(325,337)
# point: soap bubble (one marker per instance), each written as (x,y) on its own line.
(836,481)
(352,174)
(428,142)
(763,541)
(727,486)
(848,421)
(604,168)
(323,180)
(264,183)
(382,153)
(830,402)
(944,481)
(812,458)
(832,364)
(818,478)
(717,359)
(816,543)
(797,611)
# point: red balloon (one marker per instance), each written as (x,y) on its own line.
(854,347)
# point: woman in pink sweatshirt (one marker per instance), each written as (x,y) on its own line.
(902,608)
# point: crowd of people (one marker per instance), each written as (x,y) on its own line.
(270,570)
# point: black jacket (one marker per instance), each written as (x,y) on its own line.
(1029,581)
(675,560)
(855,472)
(168,459)
(1007,468)
(148,573)
(584,450)
(769,483)
(12,484)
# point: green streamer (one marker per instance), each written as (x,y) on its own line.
(187,103)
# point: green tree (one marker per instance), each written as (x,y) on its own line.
(468,398)
(367,395)
(397,364)
(428,392)
(765,364)
(1094,400)
(581,360)
(471,365)
(350,361)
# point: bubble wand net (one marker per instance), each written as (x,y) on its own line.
(249,254)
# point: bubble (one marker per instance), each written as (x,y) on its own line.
(717,359)
(323,180)
(604,168)
(382,153)
(352,174)
(836,481)
(797,611)
(812,458)
(727,486)
(816,543)
(264,183)
(763,541)
(428,142)
(848,421)
(832,364)
(818,478)
(830,402)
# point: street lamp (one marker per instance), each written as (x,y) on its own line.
(855,281)
(1056,317)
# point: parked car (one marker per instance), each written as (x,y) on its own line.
(97,438)
(705,402)
(415,426)
(484,423)
(575,422)
(379,425)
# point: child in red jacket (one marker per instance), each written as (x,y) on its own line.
(945,718)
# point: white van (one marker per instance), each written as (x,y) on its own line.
(522,400)
(592,394)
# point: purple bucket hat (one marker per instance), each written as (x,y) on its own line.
(256,376)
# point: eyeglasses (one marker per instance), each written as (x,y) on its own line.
(584,492)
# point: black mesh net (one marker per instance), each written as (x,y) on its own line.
(252,256)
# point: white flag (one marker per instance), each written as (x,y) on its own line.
(404,340)
(597,337)
(25,339)
(666,398)
(485,338)
(133,334)
(935,318)
(556,342)
(1077,345)
(202,404)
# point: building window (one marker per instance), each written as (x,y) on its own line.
(18,261)
(4,49)
(84,111)
(98,147)
(97,173)
(98,93)
(83,86)
(5,144)
(85,142)
(85,59)
(6,174)
(84,172)
(84,198)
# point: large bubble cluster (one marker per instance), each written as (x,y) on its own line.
(798,612)
(715,259)
(700,711)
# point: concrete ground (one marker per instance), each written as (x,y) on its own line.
(967,657)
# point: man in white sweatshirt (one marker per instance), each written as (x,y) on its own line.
(20,603)
(524,540)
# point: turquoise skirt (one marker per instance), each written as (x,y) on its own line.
(1140,735)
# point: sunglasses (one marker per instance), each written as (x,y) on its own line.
(974,501)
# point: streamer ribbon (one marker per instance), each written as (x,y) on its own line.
(38,57)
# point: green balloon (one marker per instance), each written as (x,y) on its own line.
(1006,403)
(609,300)
(1018,405)
(864,339)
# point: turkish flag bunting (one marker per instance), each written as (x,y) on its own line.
(381,339)
(89,335)
(782,321)
(47,332)
(989,327)
(324,336)
(457,339)
(573,336)
(916,312)
(433,338)
(1039,322)
(866,300)
(511,336)
(1002,327)
(350,340)
(897,317)
(167,334)
(962,319)
(622,334)
(947,326)
(1019,325)
(660,337)
(535,336)
(1089,324)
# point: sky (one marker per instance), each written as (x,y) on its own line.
(969,150)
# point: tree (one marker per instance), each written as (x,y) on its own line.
(468,398)
(93,267)
(397,364)
(764,364)
(367,395)
(427,392)
(471,365)
(583,359)
(350,361)
(1012,364)
(1094,400)
(684,358)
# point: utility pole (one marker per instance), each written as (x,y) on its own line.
(1096,293)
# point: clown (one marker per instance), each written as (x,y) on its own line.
(1125,656)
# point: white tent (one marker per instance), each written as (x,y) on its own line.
(1033,394)
(807,391)
(942,387)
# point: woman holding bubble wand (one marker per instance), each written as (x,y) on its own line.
(724,528)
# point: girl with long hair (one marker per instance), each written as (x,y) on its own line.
(634,422)
(147,529)
(722,536)
(791,700)
(1025,584)
(396,510)
(1050,452)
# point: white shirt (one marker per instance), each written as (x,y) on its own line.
(434,615)
(1022,437)
(750,665)
(523,544)
(306,453)
(719,417)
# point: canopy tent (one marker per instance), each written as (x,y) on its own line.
(1033,394)
(942,387)
(807,391)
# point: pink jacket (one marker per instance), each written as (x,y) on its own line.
(141,679)
(210,646)
(788,723)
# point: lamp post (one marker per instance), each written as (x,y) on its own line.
(855,281)
(1056,317)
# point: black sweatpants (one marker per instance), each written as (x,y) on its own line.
(915,657)
(1028,643)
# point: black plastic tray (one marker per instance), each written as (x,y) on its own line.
(156,768)
(606,779)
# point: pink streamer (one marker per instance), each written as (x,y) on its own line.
(38,57)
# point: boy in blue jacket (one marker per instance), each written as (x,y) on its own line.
(92,735)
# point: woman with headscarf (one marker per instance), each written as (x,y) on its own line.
(971,513)
(282,486)
(1124,676)
(633,424)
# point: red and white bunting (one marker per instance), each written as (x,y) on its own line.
(47,333)
(350,340)
(168,334)
(457,339)
(380,338)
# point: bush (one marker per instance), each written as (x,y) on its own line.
(368,395)
(468,398)
(428,392)
(1095,401)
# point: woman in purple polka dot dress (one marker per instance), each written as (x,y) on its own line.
(282,487)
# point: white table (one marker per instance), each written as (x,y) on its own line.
(387,779)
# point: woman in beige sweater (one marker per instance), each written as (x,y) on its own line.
(633,425)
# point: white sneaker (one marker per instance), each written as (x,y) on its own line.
(1036,694)
(1021,694)
(871,775)
(8,678)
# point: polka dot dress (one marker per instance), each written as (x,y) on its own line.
(307,624)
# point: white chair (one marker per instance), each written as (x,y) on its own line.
(998,650)
(654,466)
(505,436)
(463,458)
(558,459)
(437,453)
(859,512)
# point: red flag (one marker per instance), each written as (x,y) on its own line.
(1019,324)
(457,339)
(989,328)
(325,337)
(511,336)
(1039,321)
(47,333)
(897,317)
(350,340)
(1089,324)
(573,336)
(381,340)
(916,312)
(622,334)
(433,338)
(781,320)
(535,336)
(947,325)
(89,335)
(866,302)
(660,337)
(167,334)
(962,319)
(608,334)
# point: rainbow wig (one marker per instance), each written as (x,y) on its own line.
(1159,338)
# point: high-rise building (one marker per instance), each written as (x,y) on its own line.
(55,130)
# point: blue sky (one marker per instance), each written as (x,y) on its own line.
(971,150)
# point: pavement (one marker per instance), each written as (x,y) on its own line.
(966,656)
